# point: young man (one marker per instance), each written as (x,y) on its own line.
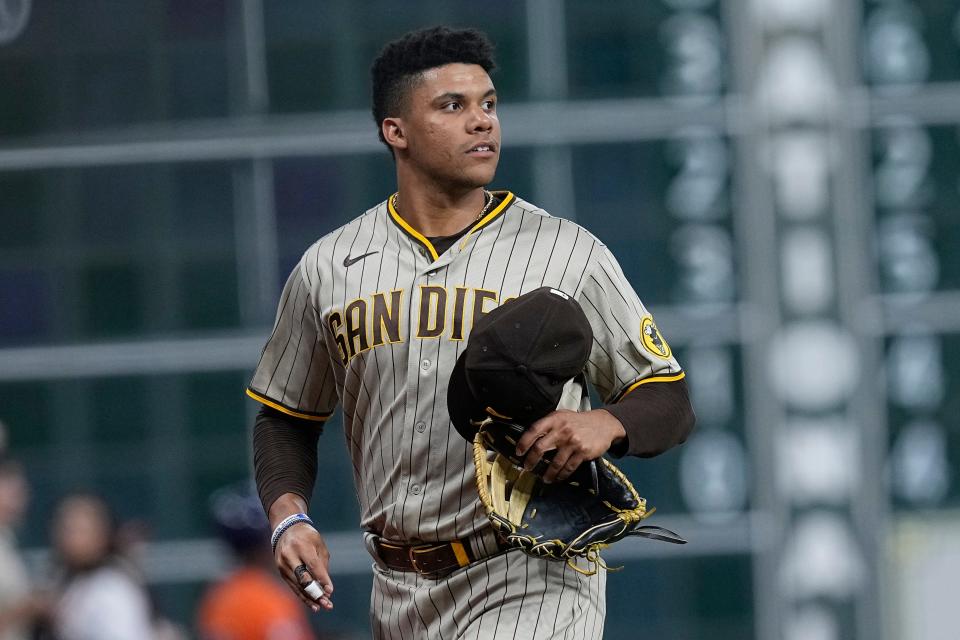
(374,318)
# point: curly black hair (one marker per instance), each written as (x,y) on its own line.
(396,69)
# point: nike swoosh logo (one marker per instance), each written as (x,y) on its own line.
(347,261)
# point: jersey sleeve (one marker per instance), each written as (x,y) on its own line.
(295,374)
(628,348)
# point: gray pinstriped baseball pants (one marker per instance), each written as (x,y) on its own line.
(508,596)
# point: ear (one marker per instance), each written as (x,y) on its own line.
(393,132)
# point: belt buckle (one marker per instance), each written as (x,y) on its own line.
(412,556)
(413,560)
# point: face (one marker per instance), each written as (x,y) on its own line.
(81,532)
(449,132)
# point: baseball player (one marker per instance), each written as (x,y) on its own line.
(373,319)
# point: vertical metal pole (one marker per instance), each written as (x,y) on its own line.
(255,216)
(854,230)
(547,61)
(756,234)
(255,225)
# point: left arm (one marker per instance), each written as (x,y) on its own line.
(656,416)
(651,419)
(632,367)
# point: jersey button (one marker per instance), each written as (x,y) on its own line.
(415,489)
(425,365)
(421,426)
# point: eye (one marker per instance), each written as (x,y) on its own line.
(490,105)
(451,106)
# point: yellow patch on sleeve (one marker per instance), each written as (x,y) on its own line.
(652,339)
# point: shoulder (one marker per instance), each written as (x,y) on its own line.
(320,253)
(324,246)
(566,229)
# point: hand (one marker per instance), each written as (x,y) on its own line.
(301,544)
(575,436)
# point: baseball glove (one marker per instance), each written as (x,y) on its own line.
(595,507)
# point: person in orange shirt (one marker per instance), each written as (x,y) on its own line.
(250,603)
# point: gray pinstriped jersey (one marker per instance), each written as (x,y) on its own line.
(374,320)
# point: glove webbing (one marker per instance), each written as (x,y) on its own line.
(500,477)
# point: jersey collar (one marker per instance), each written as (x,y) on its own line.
(404,226)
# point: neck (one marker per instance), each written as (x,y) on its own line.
(435,211)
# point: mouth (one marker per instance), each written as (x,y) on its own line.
(483,150)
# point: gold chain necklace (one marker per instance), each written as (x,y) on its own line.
(487,202)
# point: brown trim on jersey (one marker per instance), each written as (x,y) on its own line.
(273,404)
(668,378)
(404,226)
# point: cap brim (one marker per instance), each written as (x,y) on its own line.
(462,406)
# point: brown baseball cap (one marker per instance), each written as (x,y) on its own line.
(518,359)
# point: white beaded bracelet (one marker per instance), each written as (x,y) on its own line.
(285,524)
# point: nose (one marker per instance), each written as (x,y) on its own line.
(480,120)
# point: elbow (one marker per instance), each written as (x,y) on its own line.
(677,433)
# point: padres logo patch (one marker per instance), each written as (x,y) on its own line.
(652,339)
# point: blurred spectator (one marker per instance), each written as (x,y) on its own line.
(99,597)
(250,603)
(131,543)
(19,606)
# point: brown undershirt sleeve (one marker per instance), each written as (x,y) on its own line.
(284,455)
(656,417)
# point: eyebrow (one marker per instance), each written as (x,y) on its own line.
(459,96)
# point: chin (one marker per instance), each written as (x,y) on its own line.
(468,178)
(482,178)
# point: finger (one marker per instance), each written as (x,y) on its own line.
(540,454)
(307,558)
(540,468)
(559,461)
(317,567)
(299,593)
(311,594)
(318,571)
(291,577)
(316,593)
(571,465)
(533,433)
(297,572)
(302,574)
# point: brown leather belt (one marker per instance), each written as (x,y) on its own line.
(432,560)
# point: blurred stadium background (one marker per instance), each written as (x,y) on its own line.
(779,178)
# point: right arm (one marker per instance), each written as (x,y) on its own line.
(285,467)
(294,382)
